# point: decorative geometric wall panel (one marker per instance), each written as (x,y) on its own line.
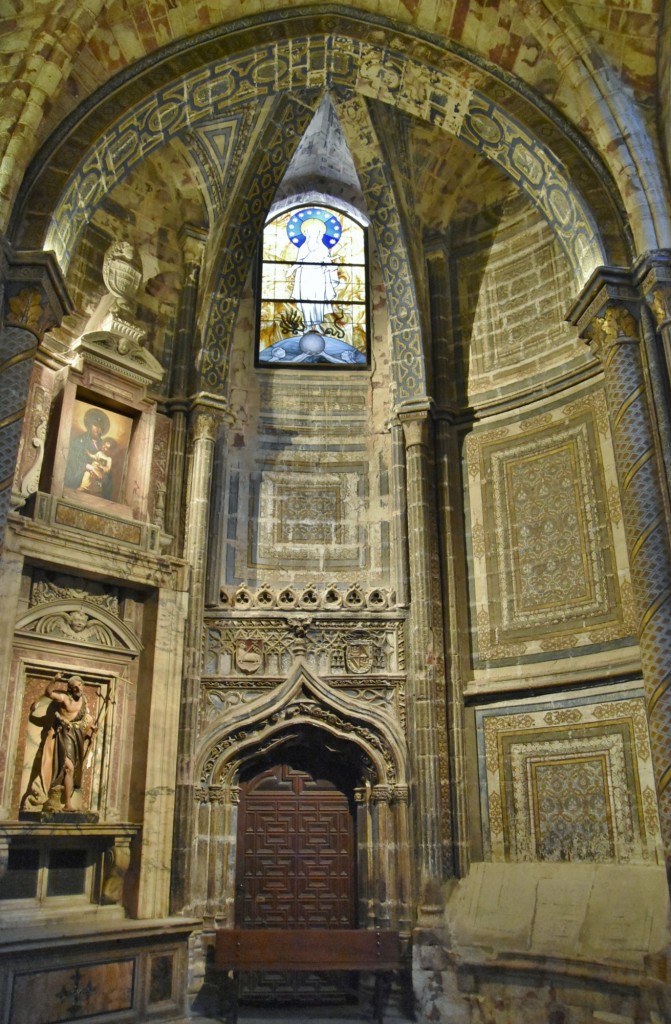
(305,519)
(569,780)
(549,568)
(306,487)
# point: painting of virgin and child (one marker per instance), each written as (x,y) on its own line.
(97,452)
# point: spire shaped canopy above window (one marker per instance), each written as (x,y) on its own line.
(313,302)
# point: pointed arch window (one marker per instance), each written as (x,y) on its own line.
(313,303)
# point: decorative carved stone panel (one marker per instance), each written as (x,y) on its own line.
(547,549)
(569,780)
(363,658)
(265,647)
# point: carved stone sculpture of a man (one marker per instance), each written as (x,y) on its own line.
(67,733)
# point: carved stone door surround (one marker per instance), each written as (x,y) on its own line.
(305,709)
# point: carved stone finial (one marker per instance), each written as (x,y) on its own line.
(113,327)
(122,274)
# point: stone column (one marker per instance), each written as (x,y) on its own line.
(457,631)
(399,517)
(33,299)
(213,867)
(425,705)
(183,355)
(162,740)
(385,855)
(606,315)
(403,867)
(364,860)
(449,394)
(654,279)
(206,421)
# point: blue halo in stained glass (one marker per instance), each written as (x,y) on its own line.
(332,226)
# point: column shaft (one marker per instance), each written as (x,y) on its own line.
(425,704)
(205,424)
(646,532)
(385,856)
(183,355)
(456,626)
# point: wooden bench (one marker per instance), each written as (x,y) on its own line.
(311,949)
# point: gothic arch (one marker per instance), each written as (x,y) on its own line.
(236,244)
(303,699)
(260,730)
(238,237)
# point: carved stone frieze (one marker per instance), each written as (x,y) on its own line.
(266,647)
(224,696)
(49,587)
(354,598)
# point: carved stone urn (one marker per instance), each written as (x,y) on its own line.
(122,274)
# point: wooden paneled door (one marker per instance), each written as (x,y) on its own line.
(295,867)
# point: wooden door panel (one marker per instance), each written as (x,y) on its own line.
(295,868)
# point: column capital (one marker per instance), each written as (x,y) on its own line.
(617,326)
(34,296)
(192,240)
(653,276)
(207,415)
(652,268)
(414,417)
(606,287)
(607,310)
(415,409)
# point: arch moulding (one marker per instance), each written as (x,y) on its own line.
(304,702)
(422,77)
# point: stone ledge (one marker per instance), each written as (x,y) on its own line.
(57,545)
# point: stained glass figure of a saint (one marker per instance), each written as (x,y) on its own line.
(313,303)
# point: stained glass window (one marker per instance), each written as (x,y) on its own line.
(313,306)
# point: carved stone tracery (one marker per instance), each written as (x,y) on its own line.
(73,588)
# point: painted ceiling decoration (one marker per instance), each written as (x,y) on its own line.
(445,100)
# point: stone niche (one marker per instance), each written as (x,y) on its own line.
(102,456)
(101,448)
(66,834)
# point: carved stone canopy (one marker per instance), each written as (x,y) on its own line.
(302,701)
(79,623)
